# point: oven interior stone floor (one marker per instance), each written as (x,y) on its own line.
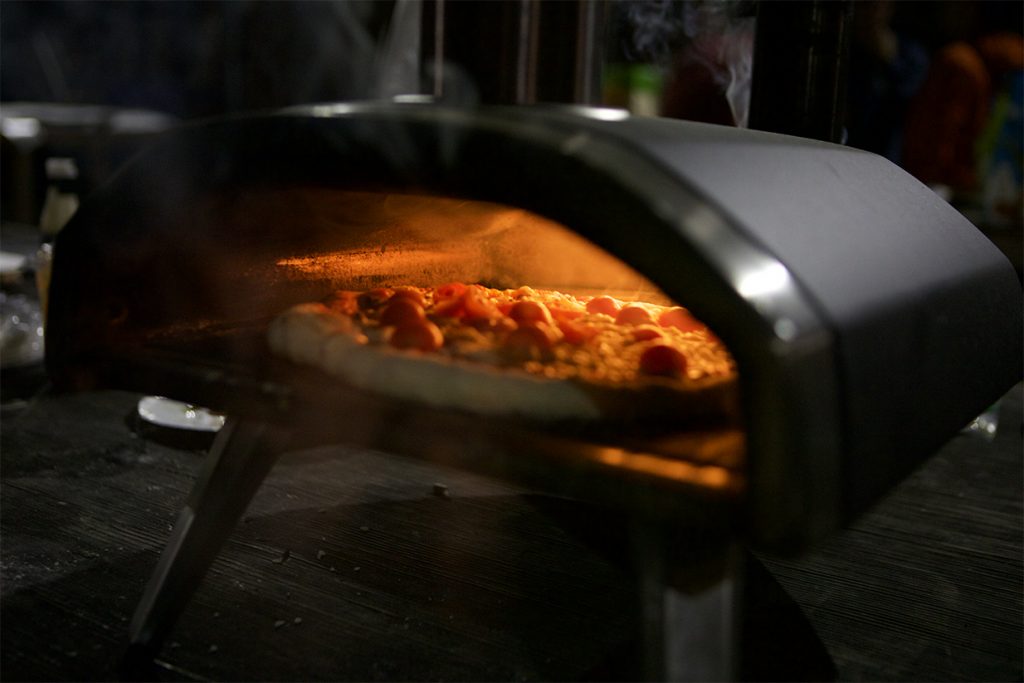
(356,565)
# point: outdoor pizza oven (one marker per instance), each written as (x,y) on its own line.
(868,319)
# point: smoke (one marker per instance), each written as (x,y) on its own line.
(724,44)
(730,58)
(397,62)
(288,53)
(716,34)
(654,27)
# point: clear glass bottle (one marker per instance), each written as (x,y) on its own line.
(59,206)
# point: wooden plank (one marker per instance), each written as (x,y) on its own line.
(927,586)
(479,584)
(391,581)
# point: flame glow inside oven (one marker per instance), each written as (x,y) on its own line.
(369,240)
(304,243)
(390,239)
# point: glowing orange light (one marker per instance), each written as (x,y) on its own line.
(705,475)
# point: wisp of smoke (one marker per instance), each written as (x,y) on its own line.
(718,34)
(654,27)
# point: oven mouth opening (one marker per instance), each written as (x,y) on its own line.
(206,340)
(308,243)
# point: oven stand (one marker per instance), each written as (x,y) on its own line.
(689,578)
(241,456)
(688,604)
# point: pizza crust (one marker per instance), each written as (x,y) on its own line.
(311,334)
(314,335)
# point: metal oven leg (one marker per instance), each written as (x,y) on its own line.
(240,458)
(689,606)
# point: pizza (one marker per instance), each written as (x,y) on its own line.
(531,353)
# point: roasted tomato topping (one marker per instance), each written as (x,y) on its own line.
(662,359)
(477,305)
(421,335)
(530,341)
(576,333)
(531,311)
(632,314)
(450,308)
(414,295)
(450,290)
(646,333)
(560,314)
(401,310)
(603,304)
(680,319)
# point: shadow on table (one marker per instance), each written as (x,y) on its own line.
(487,588)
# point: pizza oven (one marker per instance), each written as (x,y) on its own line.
(869,321)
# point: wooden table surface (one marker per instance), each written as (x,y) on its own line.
(356,565)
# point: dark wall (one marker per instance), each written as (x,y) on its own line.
(188,58)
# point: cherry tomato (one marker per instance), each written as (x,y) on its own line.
(603,304)
(525,311)
(662,359)
(529,341)
(401,310)
(450,308)
(478,305)
(632,314)
(576,333)
(450,290)
(414,295)
(646,333)
(561,314)
(421,335)
(680,319)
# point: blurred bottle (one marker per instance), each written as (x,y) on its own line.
(635,87)
(59,206)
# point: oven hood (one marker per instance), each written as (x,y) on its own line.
(870,320)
